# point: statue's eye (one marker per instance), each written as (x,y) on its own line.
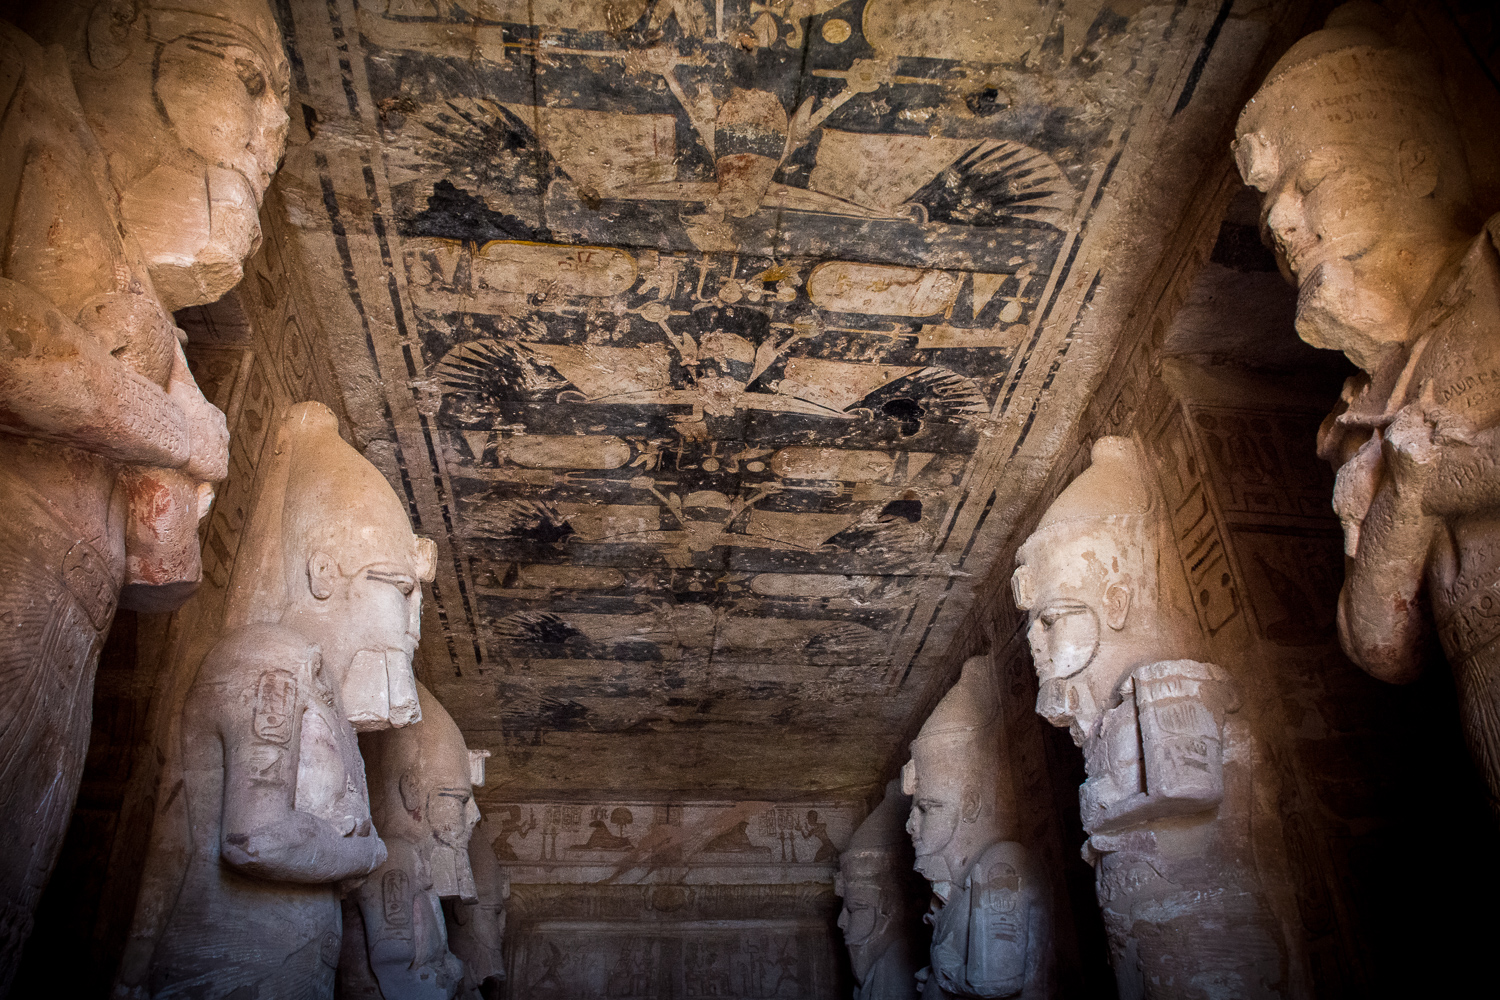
(1313,173)
(251,76)
(400,581)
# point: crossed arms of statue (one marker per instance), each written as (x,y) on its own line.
(1002,949)
(399,916)
(1395,495)
(60,383)
(263,834)
(1160,752)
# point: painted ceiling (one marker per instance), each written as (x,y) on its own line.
(721,344)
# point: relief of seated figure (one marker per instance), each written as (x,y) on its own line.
(992,919)
(108,450)
(1111,639)
(277,808)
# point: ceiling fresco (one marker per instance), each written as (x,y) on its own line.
(707,337)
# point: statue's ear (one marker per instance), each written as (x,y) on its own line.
(426,559)
(1418,165)
(321,571)
(971,806)
(1116,605)
(410,794)
(114,27)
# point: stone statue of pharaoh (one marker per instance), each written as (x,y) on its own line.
(422,799)
(1368,201)
(476,930)
(992,921)
(107,447)
(1176,877)
(274,784)
(874,874)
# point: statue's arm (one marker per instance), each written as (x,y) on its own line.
(1381,614)
(60,384)
(262,833)
(1180,709)
(1003,889)
(387,902)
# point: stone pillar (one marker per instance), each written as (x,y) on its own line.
(1168,831)
(108,450)
(992,919)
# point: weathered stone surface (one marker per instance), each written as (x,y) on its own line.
(877,920)
(107,448)
(395,934)
(992,914)
(1110,627)
(476,929)
(711,338)
(672,940)
(516,251)
(1371,205)
(273,811)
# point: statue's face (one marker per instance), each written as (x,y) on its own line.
(193,205)
(937,807)
(375,616)
(1078,583)
(1338,216)
(225,104)
(387,600)
(1064,637)
(452,816)
(863,925)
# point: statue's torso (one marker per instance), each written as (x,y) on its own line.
(228,930)
(1459,370)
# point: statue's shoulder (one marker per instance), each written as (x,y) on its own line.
(1002,864)
(1460,363)
(245,653)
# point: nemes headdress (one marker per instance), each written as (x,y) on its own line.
(1341,86)
(112,28)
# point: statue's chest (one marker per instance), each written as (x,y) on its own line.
(330,772)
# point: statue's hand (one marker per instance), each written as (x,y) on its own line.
(208,432)
(1412,451)
(1354,490)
